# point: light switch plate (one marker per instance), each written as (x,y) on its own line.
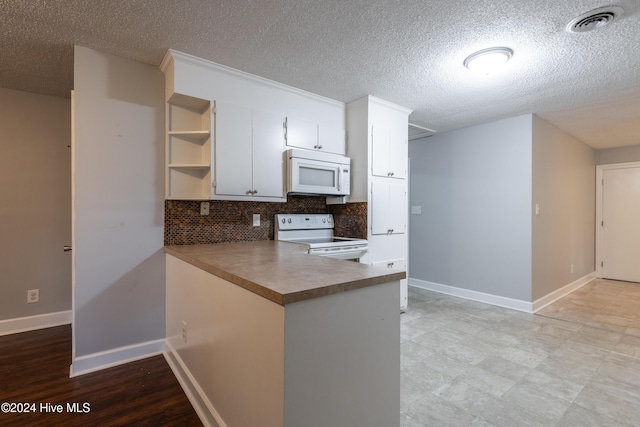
(256,220)
(416,210)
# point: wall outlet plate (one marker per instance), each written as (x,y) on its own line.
(33,295)
(204,208)
(256,220)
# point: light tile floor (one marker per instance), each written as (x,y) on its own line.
(468,363)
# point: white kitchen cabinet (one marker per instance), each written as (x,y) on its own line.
(268,160)
(389,152)
(188,148)
(248,160)
(197,170)
(397,264)
(233,150)
(313,136)
(302,133)
(388,208)
(331,139)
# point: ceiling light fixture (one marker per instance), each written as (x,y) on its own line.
(487,61)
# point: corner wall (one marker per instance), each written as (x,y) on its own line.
(119,305)
(474,187)
(35,207)
(564,188)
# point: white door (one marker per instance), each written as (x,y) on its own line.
(331,139)
(397,208)
(380,221)
(398,155)
(73,224)
(380,142)
(232,150)
(302,133)
(268,160)
(621,224)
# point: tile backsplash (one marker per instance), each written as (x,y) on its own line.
(230,221)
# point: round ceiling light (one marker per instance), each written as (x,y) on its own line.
(487,61)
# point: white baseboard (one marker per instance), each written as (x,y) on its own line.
(514,304)
(201,404)
(511,303)
(31,323)
(118,356)
(554,296)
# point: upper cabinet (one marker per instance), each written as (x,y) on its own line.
(248,153)
(227,130)
(310,135)
(389,152)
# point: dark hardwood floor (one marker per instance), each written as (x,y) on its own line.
(34,370)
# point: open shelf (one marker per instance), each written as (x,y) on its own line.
(188,182)
(188,148)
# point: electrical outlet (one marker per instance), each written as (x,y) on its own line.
(33,295)
(204,208)
(256,220)
(572,268)
(184,331)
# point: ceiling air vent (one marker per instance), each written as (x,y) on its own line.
(594,19)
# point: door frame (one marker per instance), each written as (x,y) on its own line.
(599,232)
(73,225)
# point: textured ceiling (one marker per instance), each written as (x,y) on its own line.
(407,52)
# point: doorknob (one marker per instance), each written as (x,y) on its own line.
(67,248)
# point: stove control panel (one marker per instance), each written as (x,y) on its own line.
(304,221)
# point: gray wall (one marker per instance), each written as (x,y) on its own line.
(118,159)
(618,155)
(474,186)
(564,188)
(35,203)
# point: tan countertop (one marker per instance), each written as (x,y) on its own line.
(281,272)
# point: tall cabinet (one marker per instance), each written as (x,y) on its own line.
(377,133)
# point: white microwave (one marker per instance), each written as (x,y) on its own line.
(314,172)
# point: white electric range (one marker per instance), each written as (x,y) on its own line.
(316,231)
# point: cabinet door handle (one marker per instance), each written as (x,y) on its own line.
(392,173)
(255,192)
(389,265)
(248,192)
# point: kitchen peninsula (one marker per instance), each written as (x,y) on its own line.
(261,333)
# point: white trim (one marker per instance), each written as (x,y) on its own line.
(31,323)
(201,404)
(554,296)
(599,177)
(511,303)
(117,356)
(209,65)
